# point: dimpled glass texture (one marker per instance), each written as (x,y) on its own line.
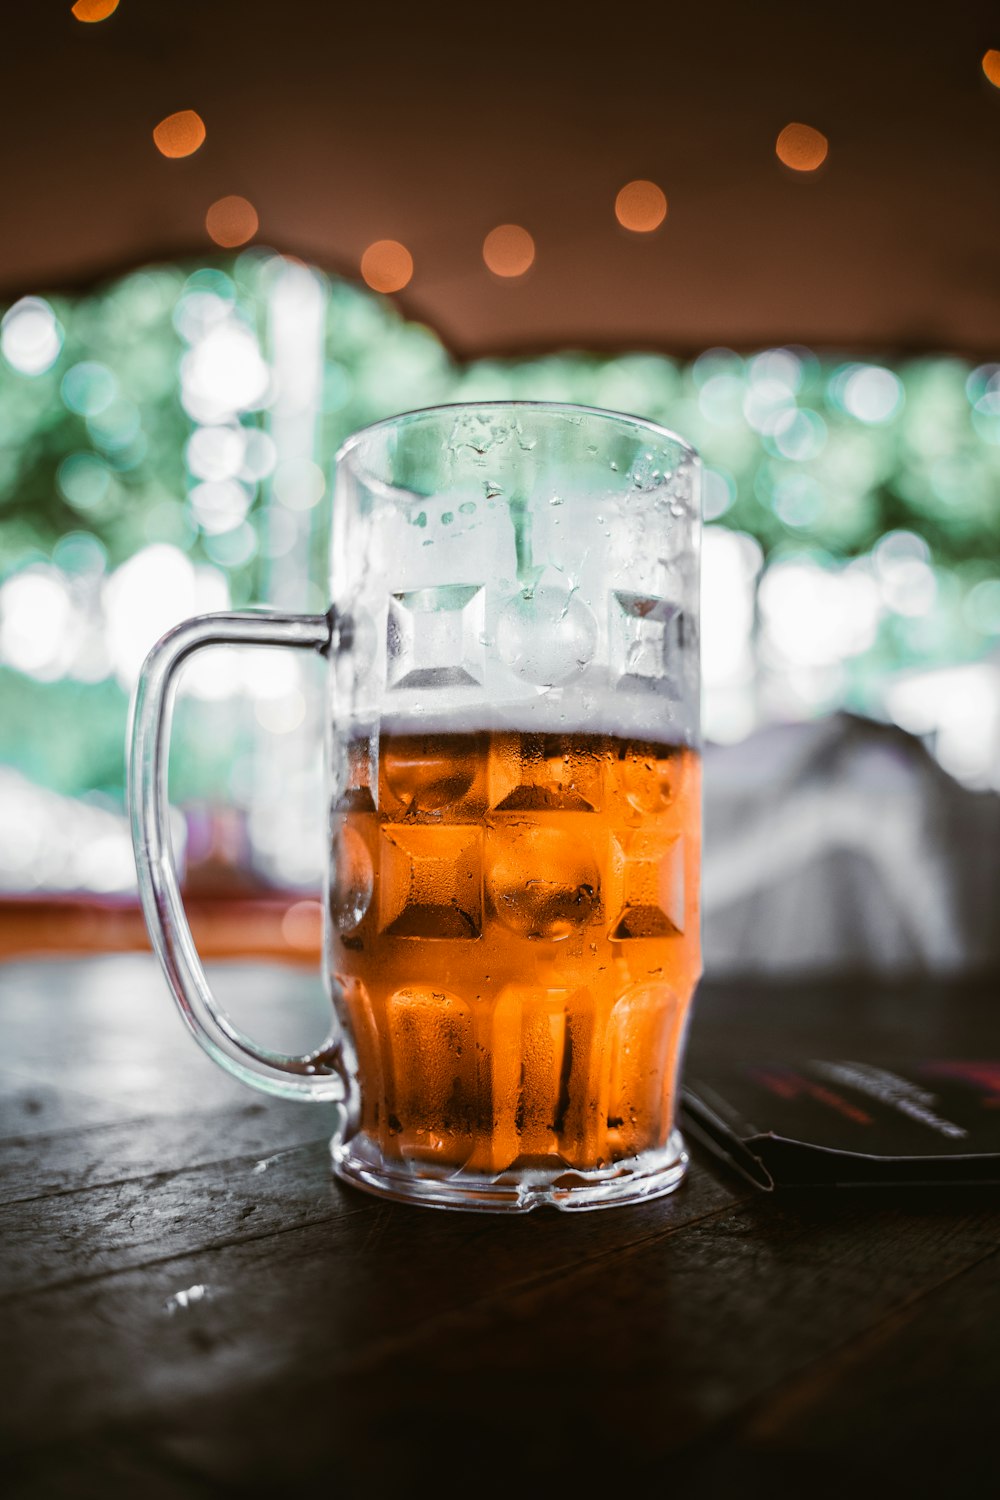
(512,938)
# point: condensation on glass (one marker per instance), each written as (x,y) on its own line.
(512,929)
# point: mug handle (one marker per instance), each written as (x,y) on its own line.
(309,1077)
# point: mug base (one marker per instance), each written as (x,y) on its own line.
(651,1174)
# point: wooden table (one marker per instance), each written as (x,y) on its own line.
(193,1306)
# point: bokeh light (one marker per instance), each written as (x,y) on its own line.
(801,147)
(302,926)
(30,336)
(172,435)
(872,394)
(231,221)
(224,373)
(387,266)
(508,250)
(94,10)
(180,134)
(991,66)
(88,388)
(36,622)
(641,206)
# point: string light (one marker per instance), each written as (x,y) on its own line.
(231,221)
(508,250)
(991,66)
(94,10)
(641,206)
(387,266)
(179,134)
(801,147)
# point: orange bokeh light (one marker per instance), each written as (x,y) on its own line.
(180,134)
(302,926)
(991,66)
(231,221)
(94,10)
(801,147)
(508,250)
(387,266)
(641,206)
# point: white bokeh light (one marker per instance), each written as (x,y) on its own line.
(872,393)
(766,402)
(281,715)
(57,843)
(815,616)
(38,623)
(798,435)
(30,336)
(224,373)
(198,312)
(216,452)
(781,365)
(731,562)
(219,505)
(718,491)
(268,673)
(146,596)
(959,708)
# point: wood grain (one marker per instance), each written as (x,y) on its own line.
(192,1305)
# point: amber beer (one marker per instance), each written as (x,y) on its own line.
(514,936)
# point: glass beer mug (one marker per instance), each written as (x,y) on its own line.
(513,786)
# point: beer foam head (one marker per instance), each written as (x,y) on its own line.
(644,715)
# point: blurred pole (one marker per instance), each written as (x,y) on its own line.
(286,815)
(296,324)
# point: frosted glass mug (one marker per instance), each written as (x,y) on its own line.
(511,930)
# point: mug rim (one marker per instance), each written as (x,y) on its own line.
(645,424)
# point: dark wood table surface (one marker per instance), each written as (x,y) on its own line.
(193,1306)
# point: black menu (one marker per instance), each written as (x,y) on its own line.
(851,1124)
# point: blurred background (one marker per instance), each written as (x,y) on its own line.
(234,234)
